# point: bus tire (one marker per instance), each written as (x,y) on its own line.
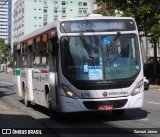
(26,102)
(51,112)
(119,112)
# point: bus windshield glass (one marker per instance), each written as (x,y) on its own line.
(118,60)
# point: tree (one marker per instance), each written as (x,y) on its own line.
(106,8)
(4,51)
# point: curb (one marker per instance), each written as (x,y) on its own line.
(154,87)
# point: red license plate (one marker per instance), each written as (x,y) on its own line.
(105,107)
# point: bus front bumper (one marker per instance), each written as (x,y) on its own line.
(78,105)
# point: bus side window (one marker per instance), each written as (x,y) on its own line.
(44,50)
(44,53)
(23,51)
(54,46)
(53,52)
(37,53)
(18,64)
(29,56)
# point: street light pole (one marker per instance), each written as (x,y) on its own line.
(155,62)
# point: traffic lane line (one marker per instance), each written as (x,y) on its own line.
(7,83)
(155,103)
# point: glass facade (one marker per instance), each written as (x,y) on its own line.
(10,21)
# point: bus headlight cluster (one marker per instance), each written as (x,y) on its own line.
(68,91)
(138,88)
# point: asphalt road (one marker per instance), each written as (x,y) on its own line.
(16,115)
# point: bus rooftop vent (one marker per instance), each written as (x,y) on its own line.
(95,15)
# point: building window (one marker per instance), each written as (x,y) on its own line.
(45,10)
(84,3)
(45,2)
(63,10)
(80,12)
(63,17)
(55,17)
(63,3)
(56,10)
(84,11)
(45,23)
(80,4)
(44,19)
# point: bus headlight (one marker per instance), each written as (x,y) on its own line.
(138,88)
(68,91)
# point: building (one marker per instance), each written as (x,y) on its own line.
(29,15)
(6,20)
(10,21)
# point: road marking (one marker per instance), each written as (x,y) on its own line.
(6,83)
(154,103)
(145,119)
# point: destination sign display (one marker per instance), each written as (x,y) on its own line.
(98,25)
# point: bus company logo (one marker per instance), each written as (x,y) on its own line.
(118,93)
(105,94)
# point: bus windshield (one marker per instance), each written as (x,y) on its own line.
(110,60)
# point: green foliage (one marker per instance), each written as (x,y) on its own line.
(146,14)
(10,60)
(4,51)
(107,8)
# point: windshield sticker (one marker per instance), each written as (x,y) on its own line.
(85,68)
(137,67)
(95,72)
(106,41)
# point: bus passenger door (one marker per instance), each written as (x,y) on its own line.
(53,67)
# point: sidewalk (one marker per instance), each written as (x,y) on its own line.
(7,77)
(157,87)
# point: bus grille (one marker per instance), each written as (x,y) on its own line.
(96,104)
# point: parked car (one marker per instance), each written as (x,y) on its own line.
(146,83)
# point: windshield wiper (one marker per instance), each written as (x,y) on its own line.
(86,45)
(113,41)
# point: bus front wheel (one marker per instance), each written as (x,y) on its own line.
(26,102)
(51,112)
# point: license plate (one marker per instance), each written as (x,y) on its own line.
(105,107)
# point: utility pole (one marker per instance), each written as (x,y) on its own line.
(155,62)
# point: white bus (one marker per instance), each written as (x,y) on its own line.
(81,64)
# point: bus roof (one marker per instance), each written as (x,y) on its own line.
(94,17)
(56,22)
(37,32)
